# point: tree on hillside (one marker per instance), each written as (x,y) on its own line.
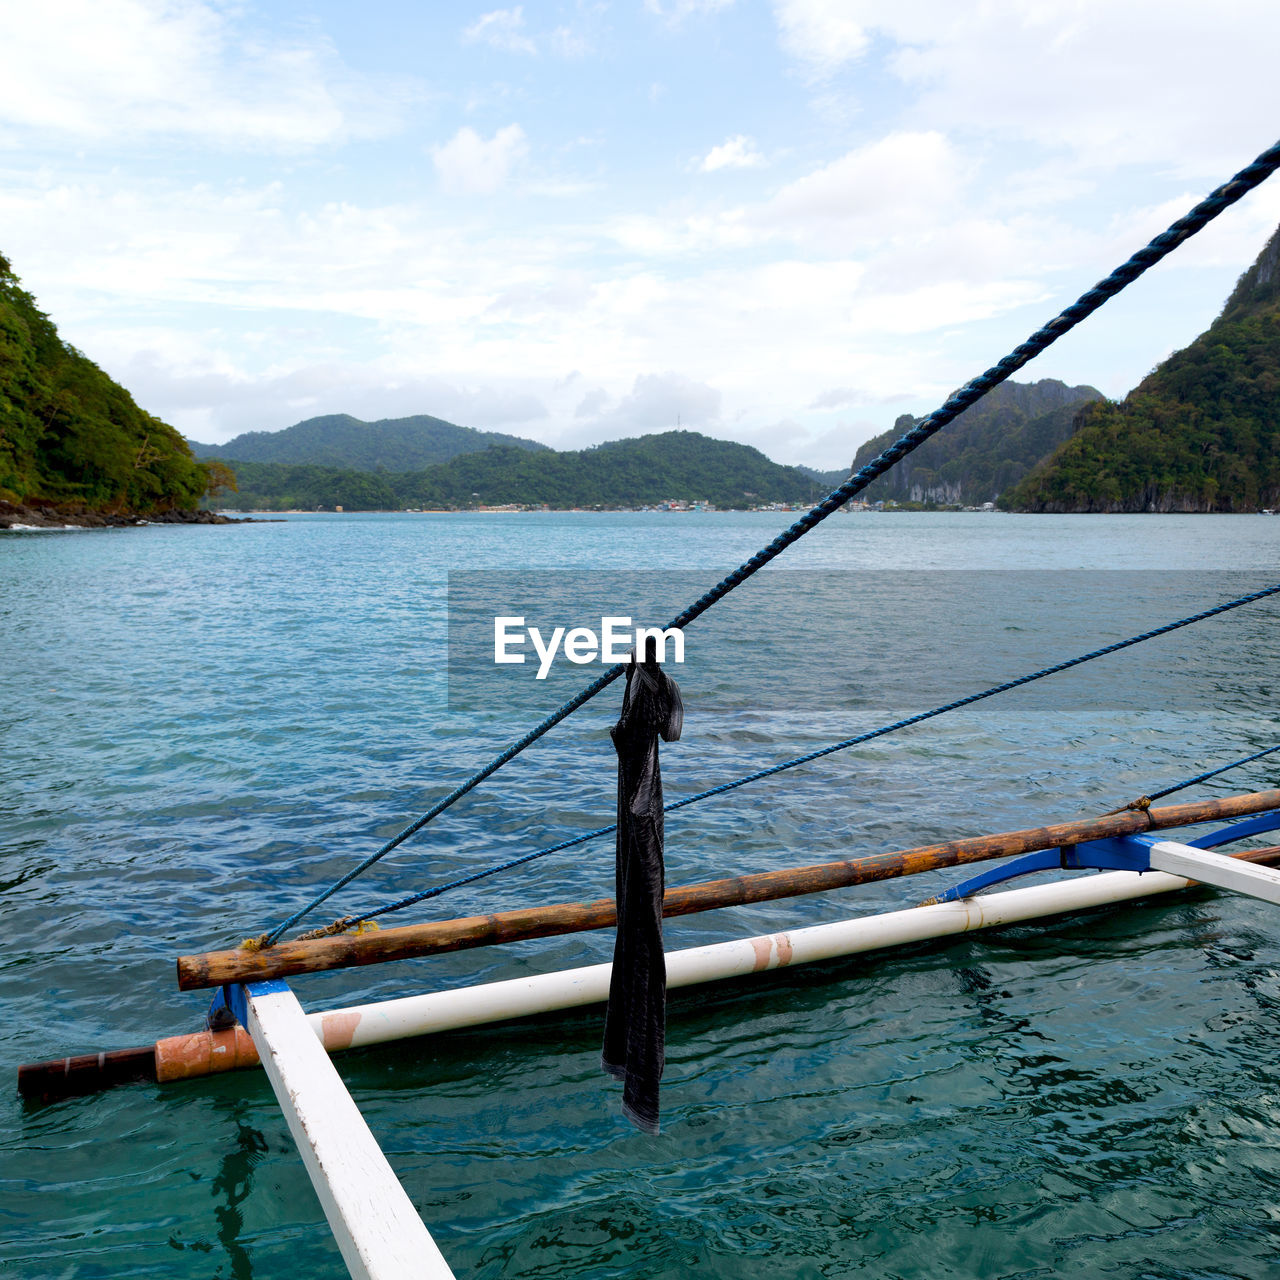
(70,434)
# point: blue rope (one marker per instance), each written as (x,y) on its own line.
(435,892)
(1213,773)
(1185,227)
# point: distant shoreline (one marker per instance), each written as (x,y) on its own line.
(262,514)
(48,515)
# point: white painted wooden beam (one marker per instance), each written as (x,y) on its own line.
(183,1056)
(572,988)
(1213,868)
(372,1219)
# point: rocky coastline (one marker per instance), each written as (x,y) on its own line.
(48,515)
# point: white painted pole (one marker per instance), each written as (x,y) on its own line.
(572,988)
(372,1219)
(1214,869)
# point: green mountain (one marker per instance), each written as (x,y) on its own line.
(339,440)
(70,436)
(1199,433)
(623,473)
(989,447)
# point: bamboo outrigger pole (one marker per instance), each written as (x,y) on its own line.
(210,1052)
(215,968)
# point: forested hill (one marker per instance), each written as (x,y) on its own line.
(986,449)
(73,438)
(623,473)
(1200,433)
(339,440)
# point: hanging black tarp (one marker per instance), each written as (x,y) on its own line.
(635,1023)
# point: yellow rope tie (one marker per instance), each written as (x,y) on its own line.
(1141,805)
(347,924)
(327,930)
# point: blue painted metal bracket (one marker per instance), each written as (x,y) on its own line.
(1126,853)
(1121,853)
(231,1006)
(1254,826)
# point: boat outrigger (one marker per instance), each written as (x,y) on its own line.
(256,1018)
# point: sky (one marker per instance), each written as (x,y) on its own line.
(779,223)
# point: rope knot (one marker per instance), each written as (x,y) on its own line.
(1141,805)
(345,924)
(327,930)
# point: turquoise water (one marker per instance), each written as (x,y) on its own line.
(205,723)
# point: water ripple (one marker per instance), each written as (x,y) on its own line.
(205,724)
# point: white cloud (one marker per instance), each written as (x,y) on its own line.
(469,164)
(503,29)
(978,249)
(123,68)
(531,300)
(893,257)
(823,34)
(656,402)
(874,191)
(833,448)
(394,309)
(593,404)
(676,11)
(213,400)
(794,444)
(1135,90)
(659,236)
(567,43)
(1236,238)
(1113,81)
(836,398)
(738,152)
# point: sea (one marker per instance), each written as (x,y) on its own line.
(205,726)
